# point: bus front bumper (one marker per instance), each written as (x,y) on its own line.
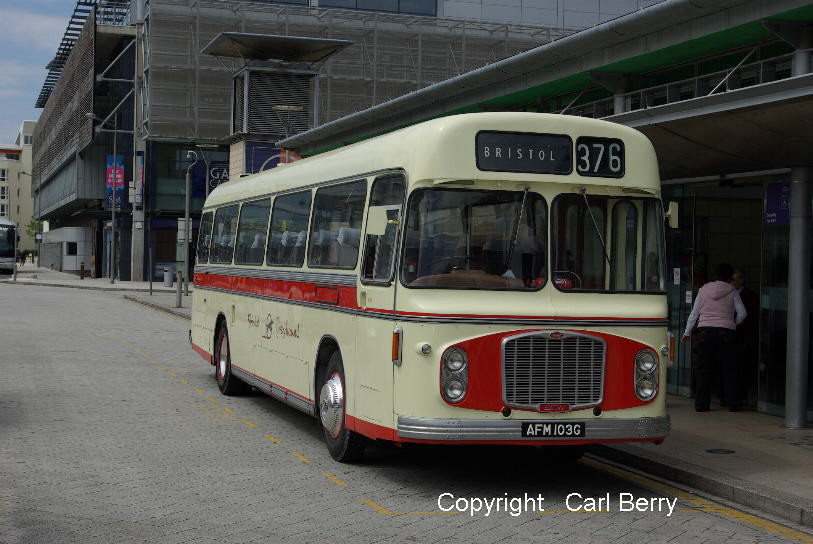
(474,430)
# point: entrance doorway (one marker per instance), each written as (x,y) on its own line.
(719,222)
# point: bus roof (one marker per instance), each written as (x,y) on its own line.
(444,149)
(5,222)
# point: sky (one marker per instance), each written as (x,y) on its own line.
(29,35)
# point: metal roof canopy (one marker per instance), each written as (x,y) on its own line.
(649,30)
(273,47)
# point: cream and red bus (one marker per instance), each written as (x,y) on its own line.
(490,278)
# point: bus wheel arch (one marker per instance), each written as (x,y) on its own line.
(227,382)
(331,393)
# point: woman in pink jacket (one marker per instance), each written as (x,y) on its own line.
(717,311)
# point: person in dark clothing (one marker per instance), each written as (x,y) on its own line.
(747,333)
(717,310)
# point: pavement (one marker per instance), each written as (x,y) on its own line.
(744,457)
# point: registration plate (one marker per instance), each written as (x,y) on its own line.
(570,429)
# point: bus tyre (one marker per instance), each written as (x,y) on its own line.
(343,444)
(228,383)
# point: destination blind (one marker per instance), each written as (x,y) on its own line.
(524,152)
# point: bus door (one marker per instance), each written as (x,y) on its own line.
(376,293)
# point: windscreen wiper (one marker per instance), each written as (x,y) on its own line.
(508,273)
(595,226)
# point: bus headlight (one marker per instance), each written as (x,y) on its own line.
(646,360)
(454,374)
(646,374)
(646,389)
(455,359)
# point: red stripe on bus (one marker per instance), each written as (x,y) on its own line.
(346,298)
(203,353)
(370,430)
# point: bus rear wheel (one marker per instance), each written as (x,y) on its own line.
(227,382)
(343,444)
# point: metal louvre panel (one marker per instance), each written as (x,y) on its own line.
(539,369)
(238,119)
(266,90)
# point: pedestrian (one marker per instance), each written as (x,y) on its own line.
(21,257)
(716,311)
(747,333)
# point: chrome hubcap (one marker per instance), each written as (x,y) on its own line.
(222,359)
(331,405)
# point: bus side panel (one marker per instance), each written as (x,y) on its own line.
(374,387)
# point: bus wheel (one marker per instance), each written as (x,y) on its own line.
(344,445)
(228,383)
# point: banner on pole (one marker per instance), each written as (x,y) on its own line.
(114,181)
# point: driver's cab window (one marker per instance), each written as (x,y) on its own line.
(386,203)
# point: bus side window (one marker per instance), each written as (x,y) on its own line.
(223,234)
(289,228)
(204,238)
(251,231)
(379,250)
(336,225)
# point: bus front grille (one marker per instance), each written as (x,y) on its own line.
(561,370)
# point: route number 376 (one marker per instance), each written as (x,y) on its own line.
(601,157)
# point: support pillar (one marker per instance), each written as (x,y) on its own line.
(137,246)
(615,83)
(798,34)
(797,362)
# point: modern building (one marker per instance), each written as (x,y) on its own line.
(724,90)
(16,203)
(133,73)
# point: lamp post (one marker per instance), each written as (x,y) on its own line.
(187,226)
(113,260)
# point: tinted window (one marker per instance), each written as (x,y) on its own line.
(379,250)
(289,229)
(251,231)
(204,238)
(336,225)
(223,234)
(633,261)
(475,239)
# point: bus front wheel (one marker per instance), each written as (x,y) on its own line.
(343,444)
(227,382)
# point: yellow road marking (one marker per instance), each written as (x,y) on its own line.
(703,505)
(229,410)
(184,380)
(213,401)
(162,367)
(152,361)
(334,479)
(197,389)
(378,508)
(249,423)
(172,374)
(300,457)
(272,438)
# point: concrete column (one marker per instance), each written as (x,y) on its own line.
(801,62)
(798,298)
(138,230)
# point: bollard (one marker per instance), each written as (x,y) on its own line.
(81,271)
(167,277)
(178,290)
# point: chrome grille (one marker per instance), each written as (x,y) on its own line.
(538,369)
